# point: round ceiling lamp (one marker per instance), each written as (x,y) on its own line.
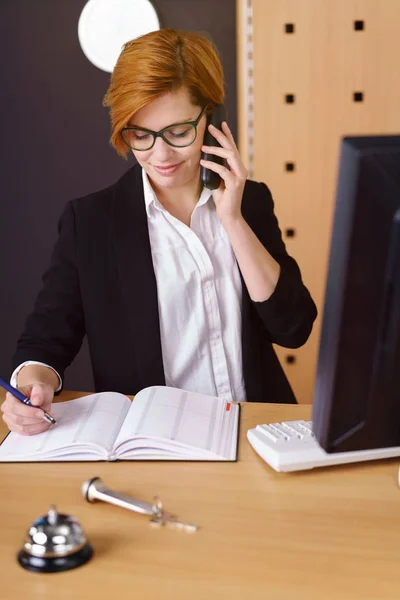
(106,25)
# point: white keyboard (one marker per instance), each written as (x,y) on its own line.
(292,446)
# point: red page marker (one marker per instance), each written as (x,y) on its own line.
(228,407)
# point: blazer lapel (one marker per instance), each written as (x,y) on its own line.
(136,275)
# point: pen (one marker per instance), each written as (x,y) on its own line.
(17,394)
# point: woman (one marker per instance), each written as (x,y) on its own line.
(171,284)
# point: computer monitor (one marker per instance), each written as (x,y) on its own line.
(356,404)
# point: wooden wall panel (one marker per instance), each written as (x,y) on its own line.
(323,63)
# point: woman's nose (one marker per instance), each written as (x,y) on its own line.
(162,150)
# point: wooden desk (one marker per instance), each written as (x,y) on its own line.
(327,534)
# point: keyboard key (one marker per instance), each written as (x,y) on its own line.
(304,428)
(287,431)
(273,434)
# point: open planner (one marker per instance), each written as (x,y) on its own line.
(161,423)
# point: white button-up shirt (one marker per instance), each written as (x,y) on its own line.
(199,299)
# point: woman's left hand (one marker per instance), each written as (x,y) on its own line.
(228,197)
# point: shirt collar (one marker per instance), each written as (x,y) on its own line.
(150,198)
(151,201)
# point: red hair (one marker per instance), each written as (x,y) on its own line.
(157,63)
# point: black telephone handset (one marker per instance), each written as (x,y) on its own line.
(210,179)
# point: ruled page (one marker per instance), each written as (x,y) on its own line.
(90,420)
(178,419)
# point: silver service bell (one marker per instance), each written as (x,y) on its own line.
(55,542)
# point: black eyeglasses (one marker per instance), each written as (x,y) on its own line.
(179,135)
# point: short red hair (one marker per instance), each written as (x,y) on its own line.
(157,63)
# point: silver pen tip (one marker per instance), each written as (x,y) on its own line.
(49,418)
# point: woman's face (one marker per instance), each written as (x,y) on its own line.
(165,165)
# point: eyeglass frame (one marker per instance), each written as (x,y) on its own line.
(160,133)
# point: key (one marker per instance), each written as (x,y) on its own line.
(161,518)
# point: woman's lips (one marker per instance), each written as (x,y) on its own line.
(168,170)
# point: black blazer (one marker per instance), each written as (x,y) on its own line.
(101,283)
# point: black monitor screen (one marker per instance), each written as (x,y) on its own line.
(356,403)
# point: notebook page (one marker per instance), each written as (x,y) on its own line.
(178,417)
(94,419)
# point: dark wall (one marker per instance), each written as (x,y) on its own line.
(54,138)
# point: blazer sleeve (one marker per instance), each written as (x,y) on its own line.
(54,331)
(289,313)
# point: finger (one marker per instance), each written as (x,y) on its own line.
(39,394)
(228,143)
(229,135)
(239,166)
(16,420)
(220,137)
(15,407)
(234,161)
(29,429)
(38,399)
(222,152)
(226,175)
(35,429)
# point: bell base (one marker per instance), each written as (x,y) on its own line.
(56,564)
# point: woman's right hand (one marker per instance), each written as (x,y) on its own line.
(28,420)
